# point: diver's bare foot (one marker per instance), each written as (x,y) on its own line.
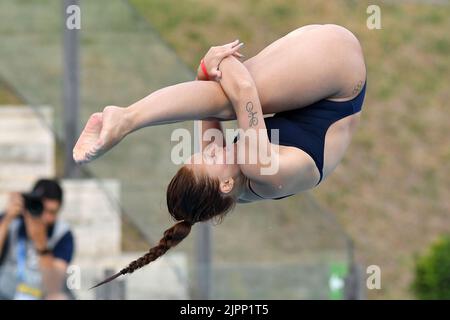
(102,132)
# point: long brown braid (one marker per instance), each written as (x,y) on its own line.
(172,237)
(190,199)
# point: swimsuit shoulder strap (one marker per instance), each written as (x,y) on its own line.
(253,191)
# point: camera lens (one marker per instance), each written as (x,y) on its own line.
(33,204)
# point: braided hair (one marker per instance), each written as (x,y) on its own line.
(190,199)
(171,238)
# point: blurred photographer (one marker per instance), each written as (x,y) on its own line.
(35,246)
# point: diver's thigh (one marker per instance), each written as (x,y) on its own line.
(302,70)
(337,140)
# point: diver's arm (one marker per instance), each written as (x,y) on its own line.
(191,100)
(208,124)
(240,88)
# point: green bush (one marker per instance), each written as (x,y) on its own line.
(433,272)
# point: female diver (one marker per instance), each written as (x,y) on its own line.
(312,80)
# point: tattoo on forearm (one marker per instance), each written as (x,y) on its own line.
(252,115)
(358,87)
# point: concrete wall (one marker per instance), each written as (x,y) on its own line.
(26,148)
(90,206)
(95,218)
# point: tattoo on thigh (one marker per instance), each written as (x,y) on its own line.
(358,87)
(252,115)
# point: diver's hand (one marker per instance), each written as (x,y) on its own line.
(102,132)
(213,58)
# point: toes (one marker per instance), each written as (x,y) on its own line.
(96,116)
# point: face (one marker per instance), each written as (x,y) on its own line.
(217,162)
(50,213)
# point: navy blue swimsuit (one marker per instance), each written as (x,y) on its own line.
(305,128)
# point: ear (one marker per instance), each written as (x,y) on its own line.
(226,185)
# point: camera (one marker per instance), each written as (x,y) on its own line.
(33,203)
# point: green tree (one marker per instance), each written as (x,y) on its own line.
(432,279)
